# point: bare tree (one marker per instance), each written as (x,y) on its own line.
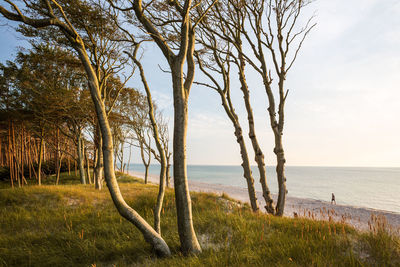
(213,64)
(156,135)
(275,37)
(51,13)
(228,19)
(228,25)
(172,27)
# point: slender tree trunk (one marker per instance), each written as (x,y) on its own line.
(280,171)
(44,151)
(181,89)
(29,161)
(15,155)
(35,151)
(146,166)
(122,157)
(277,129)
(149,234)
(146,173)
(81,157)
(160,199)
(88,167)
(225,95)
(247,173)
(32,171)
(39,171)
(57,156)
(187,236)
(22,151)
(161,190)
(99,167)
(115,155)
(258,154)
(58,169)
(98,170)
(129,159)
(10,158)
(167,173)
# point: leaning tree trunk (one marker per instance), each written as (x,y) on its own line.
(243,150)
(258,154)
(160,198)
(187,235)
(81,157)
(161,190)
(58,169)
(224,92)
(149,234)
(246,169)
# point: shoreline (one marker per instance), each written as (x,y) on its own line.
(358,217)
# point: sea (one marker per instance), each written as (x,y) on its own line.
(368,187)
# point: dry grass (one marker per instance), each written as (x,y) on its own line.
(75,225)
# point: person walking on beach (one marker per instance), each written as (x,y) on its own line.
(333,199)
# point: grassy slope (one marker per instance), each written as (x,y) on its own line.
(74,225)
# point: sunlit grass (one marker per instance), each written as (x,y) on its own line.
(75,225)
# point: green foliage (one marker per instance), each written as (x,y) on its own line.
(75,225)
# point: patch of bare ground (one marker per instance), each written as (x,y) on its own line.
(229,205)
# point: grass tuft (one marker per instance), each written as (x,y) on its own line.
(75,225)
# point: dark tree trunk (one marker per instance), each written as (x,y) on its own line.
(81,157)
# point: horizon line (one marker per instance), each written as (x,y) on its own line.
(321,166)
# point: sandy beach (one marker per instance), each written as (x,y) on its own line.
(358,217)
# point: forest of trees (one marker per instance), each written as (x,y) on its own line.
(65,105)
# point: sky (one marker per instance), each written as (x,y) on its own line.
(343,106)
